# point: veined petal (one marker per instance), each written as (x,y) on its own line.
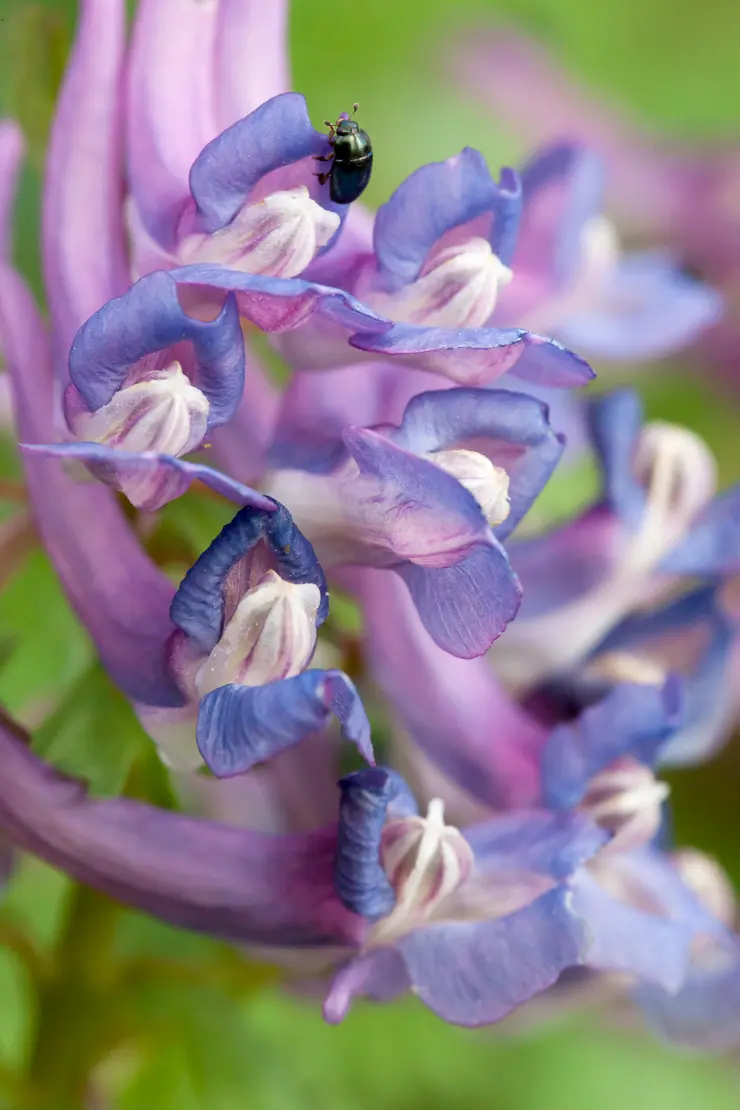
(227,171)
(199,605)
(476,356)
(550,844)
(368,798)
(239,726)
(258,31)
(510,429)
(632,720)
(158,478)
(84,245)
(147,320)
(171,113)
(217,879)
(438,198)
(648,309)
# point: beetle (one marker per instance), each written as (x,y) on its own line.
(351,157)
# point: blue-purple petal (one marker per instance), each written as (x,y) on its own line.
(240,726)
(198,605)
(540,841)
(276,134)
(436,199)
(465,607)
(170,477)
(614,422)
(368,797)
(631,720)
(712,546)
(146,320)
(511,429)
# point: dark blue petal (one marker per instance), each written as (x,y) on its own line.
(146,320)
(239,726)
(554,844)
(171,477)
(276,134)
(368,798)
(435,199)
(198,605)
(511,429)
(713,544)
(631,720)
(614,423)
(475,973)
(475,356)
(705,1012)
(465,607)
(649,309)
(579,175)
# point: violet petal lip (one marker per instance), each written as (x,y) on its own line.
(239,726)
(216,879)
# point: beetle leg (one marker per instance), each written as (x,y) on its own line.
(323,157)
(323,177)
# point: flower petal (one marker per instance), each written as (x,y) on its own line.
(165,476)
(198,605)
(84,244)
(170,107)
(476,356)
(614,423)
(368,798)
(120,596)
(146,320)
(217,879)
(649,310)
(380,975)
(258,31)
(226,172)
(239,726)
(436,199)
(12,147)
(511,429)
(466,606)
(632,719)
(712,547)
(552,844)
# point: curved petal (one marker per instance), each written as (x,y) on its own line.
(199,604)
(511,429)
(436,199)
(240,445)
(164,476)
(705,1012)
(712,547)
(562,188)
(466,606)
(452,709)
(170,113)
(277,134)
(476,356)
(367,798)
(475,973)
(12,147)
(648,310)
(84,245)
(216,879)
(257,31)
(279,304)
(614,422)
(551,844)
(239,726)
(121,598)
(632,720)
(146,320)
(379,975)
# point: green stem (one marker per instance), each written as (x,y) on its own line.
(76,1018)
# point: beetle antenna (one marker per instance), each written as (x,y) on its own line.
(355,106)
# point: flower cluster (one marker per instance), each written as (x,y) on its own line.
(396,465)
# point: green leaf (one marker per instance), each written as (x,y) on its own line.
(94,734)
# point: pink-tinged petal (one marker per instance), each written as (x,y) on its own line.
(117,592)
(84,245)
(453,709)
(257,31)
(213,878)
(158,478)
(380,975)
(239,446)
(11,152)
(171,111)
(477,356)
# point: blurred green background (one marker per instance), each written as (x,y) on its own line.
(181,1023)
